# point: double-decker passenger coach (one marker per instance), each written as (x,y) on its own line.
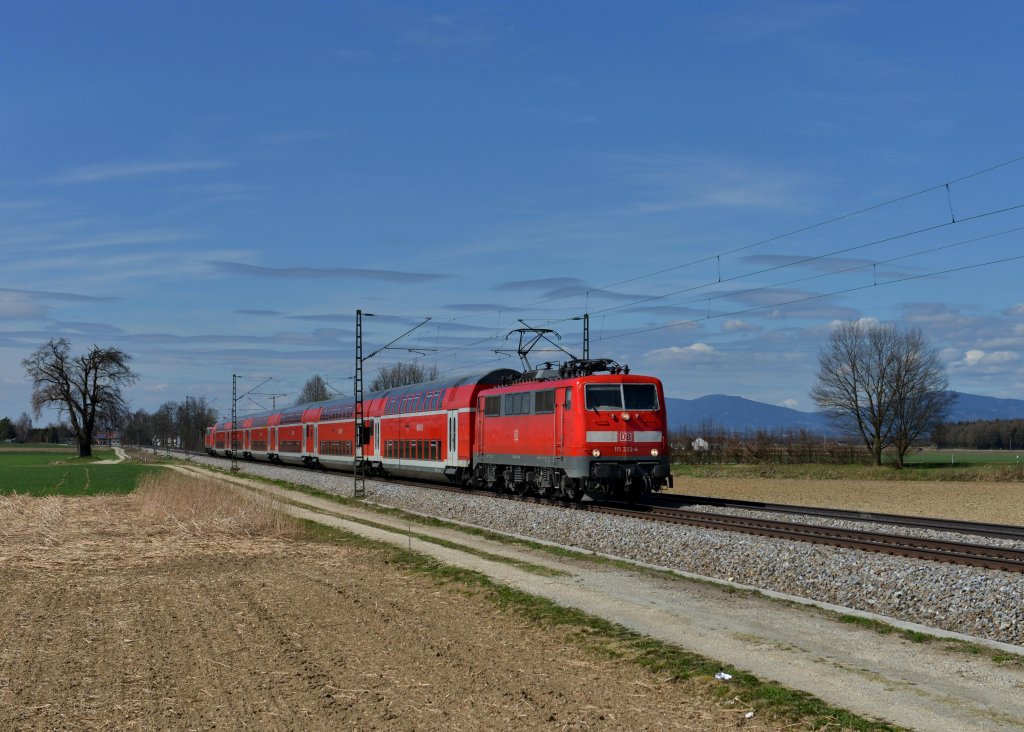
(586,428)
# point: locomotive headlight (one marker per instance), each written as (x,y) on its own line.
(595,452)
(654,452)
(625,416)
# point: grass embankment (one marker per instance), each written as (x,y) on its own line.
(45,473)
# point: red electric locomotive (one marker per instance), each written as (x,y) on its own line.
(572,431)
(564,433)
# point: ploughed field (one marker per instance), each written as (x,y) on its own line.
(183,607)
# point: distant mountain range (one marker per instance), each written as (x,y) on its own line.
(737,414)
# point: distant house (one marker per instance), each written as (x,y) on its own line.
(106,438)
(700,444)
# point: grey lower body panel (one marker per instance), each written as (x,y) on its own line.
(581,467)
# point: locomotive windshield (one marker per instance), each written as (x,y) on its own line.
(622,396)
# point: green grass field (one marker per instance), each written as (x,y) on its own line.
(965,457)
(47,473)
(19,446)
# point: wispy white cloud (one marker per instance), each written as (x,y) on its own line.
(693,353)
(113,171)
(288,137)
(48,295)
(260,313)
(19,205)
(988,361)
(115,239)
(221,192)
(18,306)
(758,21)
(320,273)
(673,182)
(561,116)
(739,326)
(446,32)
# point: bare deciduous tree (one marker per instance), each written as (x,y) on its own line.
(86,388)
(920,391)
(886,385)
(314,390)
(401,374)
(23,427)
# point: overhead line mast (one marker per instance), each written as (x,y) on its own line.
(358,477)
(358,471)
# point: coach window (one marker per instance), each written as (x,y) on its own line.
(517,403)
(544,402)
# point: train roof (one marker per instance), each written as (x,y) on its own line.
(486,378)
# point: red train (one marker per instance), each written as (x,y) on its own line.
(562,433)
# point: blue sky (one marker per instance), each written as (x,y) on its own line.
(216,187)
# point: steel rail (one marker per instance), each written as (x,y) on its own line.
(975,555)
(994,531)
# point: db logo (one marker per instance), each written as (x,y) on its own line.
(625,437)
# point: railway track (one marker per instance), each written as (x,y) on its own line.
(953,552)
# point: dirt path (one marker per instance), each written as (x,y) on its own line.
(118,615)
(119,457)
(921,686)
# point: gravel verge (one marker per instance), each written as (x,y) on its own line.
(978,602)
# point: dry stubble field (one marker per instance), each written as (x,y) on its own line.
(182,607)
(987,502)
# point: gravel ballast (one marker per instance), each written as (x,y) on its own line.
(978,602)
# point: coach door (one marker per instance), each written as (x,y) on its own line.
(563,422)
(453,438)
(559,417)
(375,426)
(310,438)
